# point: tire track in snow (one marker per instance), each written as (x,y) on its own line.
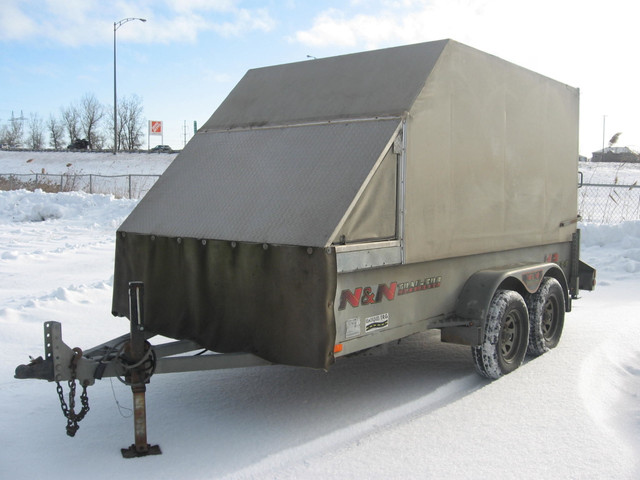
(353,433)
(610,387)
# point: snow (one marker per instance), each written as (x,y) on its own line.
(416,409)
(96,163)
(610,173)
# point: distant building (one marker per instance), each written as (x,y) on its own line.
(617,155)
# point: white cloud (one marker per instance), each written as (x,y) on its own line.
(329,28)
(14,24)
(394,21)
(188,6)
(244,21)
(82,22)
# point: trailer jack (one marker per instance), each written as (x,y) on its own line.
(130,358)
(138,352)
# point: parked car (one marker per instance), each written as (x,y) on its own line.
(79,144)
(161,149)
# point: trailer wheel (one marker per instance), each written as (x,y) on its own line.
(546,317)
(506,336)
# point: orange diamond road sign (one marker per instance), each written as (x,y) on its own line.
(156,127)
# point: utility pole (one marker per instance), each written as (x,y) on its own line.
(604,122)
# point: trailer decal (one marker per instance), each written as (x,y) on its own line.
(367,296)
(419,285)
(532,279)
(555,258)
(376,322)
(352,328)
(552,258)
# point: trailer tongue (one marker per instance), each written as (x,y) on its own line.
(334,205)
(130,358)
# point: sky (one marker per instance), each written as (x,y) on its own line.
(189,54)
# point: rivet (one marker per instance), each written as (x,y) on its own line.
(265,246)
(233,244)
(309,250)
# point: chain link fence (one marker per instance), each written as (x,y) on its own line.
(597,202)
(608,203)
(121,186)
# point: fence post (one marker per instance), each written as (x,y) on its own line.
(61,179)
(91,183)
(129,186)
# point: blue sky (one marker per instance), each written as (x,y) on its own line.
(189,54)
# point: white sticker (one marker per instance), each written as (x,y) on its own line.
(353,328)
(376,322)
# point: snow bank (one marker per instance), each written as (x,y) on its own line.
(615,248)
(24,206)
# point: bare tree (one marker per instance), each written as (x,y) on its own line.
(99,140)
(35,137)
(91,113)
(56,132)
(4,134)
(12,133)
(71,122)
(130,125)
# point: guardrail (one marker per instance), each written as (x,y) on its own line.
(122,186)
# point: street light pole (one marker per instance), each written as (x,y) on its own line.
(116,26)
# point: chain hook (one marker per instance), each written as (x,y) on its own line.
(69,410)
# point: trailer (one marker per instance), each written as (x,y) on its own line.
(333,205)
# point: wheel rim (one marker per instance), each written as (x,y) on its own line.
(550,319)
(510,336)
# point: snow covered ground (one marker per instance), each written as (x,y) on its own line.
(412,410)
(96,163)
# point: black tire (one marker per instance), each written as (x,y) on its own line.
(506,336)
(546,317)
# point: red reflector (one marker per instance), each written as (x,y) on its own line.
(337,348)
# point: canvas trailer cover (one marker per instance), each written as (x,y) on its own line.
(311,170)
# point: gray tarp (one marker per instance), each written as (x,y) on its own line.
(287,186)
(361,85)
(276,302)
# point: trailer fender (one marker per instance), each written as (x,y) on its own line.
(474,300)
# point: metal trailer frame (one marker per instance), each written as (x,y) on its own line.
(133,360)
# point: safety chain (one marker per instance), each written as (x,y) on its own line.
(147,364)
(69,410)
